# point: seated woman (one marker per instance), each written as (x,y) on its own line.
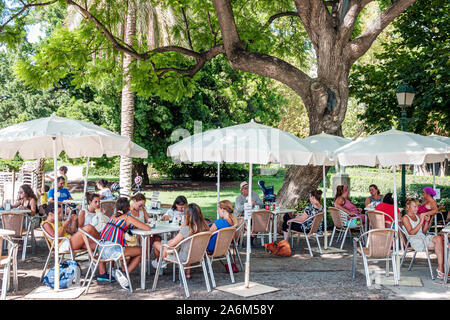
(429,205)
(27,199)
(387,206)
(226,219)
(194,222)
(342,202)
(137,207)
(64,230)
(375,197)
(417,227)
(137,210)
(104,192)
(92,214)
(114,232)
(313,208)
(178,209)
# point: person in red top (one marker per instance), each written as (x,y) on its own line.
(387,206)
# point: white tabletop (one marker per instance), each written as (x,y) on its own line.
(161,227)
(72,201)
(6,232)
(157,211)
(16,211)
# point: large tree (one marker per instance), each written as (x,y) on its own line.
(255,37)
(418,53)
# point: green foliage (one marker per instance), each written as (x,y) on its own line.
(419,53)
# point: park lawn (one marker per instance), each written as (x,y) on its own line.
(360,179)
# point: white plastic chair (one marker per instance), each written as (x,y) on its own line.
(95,259)
(6,262)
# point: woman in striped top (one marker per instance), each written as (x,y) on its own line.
(114,232)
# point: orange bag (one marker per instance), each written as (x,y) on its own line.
(280,248)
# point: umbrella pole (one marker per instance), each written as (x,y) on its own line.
(249,224)
(396,246)
(325,234)
(83,205)
(56,196)
(218,188)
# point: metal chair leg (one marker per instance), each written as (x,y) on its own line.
(205,273)
(211,273)
(230,270)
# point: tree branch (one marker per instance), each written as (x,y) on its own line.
(262,64)
(348,22)
(361,44)
(188,33)
(282,14)
(316,19)
(24,8)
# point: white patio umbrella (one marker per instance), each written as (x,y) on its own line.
(392,148)
(447,141)
(251,143)
(323,145)
(48,137)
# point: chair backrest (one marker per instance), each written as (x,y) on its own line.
(109,206)
(336,216)
(86,236)
(380,242)
(239,228)
(223,241)
(166,205)
(377,219)
(316,223)
(197,247)
(261,221)
(13,221)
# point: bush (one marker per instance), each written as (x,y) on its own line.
(231,172)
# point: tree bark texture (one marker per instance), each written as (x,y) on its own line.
(127,111)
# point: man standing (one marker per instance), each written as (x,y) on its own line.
(242,199)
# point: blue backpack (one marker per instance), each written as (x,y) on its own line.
(69,273)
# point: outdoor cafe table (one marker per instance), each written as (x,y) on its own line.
(160,228)
(446,232)
(157,212)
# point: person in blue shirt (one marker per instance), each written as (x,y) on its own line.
(226,219)
(64,194)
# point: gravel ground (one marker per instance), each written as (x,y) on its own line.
(299,277)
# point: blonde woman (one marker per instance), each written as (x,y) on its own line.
(226,219)
(417,227)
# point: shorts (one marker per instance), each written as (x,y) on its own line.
(113,252)
(64,246)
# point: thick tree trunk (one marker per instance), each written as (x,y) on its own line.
(140,169)
(127,114)
(326,112)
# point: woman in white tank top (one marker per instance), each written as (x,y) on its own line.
(417,227)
